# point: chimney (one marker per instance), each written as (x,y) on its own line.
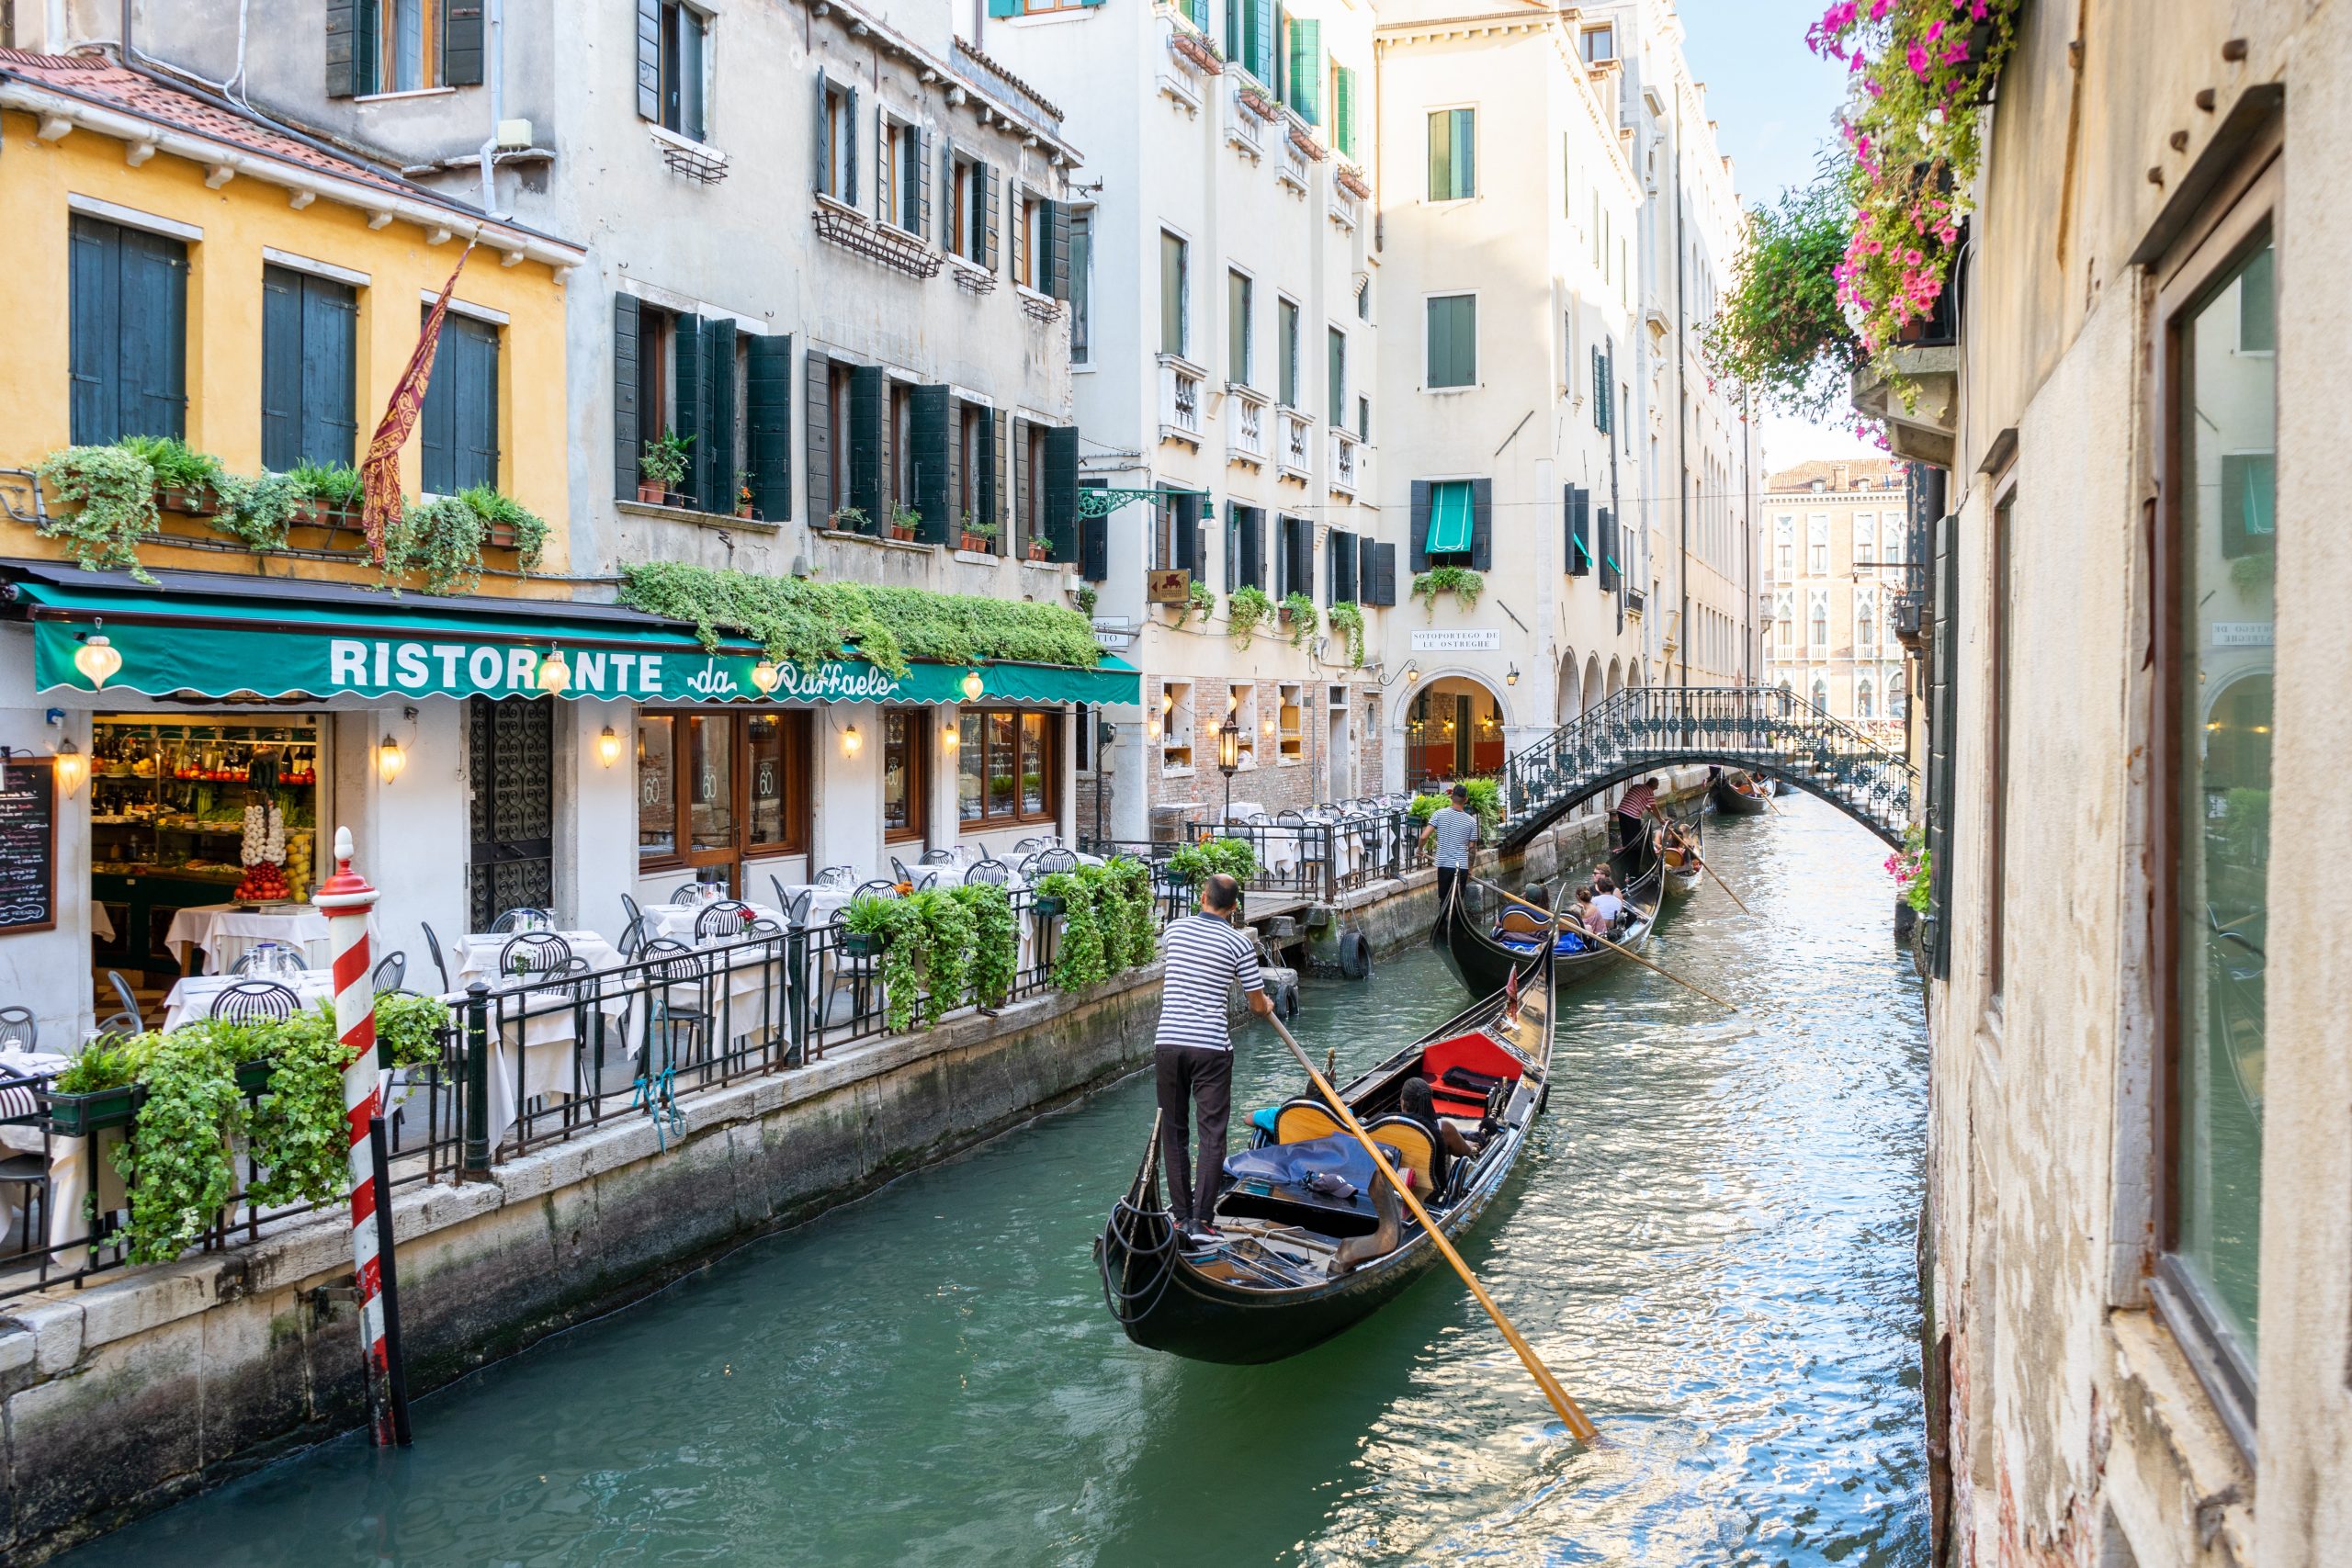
(1840,476)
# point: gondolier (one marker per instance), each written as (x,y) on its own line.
(1454,830)
(1633,809)
(1206,957)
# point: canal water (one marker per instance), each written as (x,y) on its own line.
(1711,1242)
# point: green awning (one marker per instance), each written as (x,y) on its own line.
(307,639)
(1449,517)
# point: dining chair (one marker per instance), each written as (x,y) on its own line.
(20,1031)
(990,870)
(392,973)
(724,919)
(671,966)
(635,937)
(254,1001)
(522,917)
(937,857)
(433,946)
(630,913)
(534,952)
(794,907)
(841,877)
(859,971)
(899,873)
(27,1172)
(1054,858)
(1030,845)
(877,888)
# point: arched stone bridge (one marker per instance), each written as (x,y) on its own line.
(1762,729)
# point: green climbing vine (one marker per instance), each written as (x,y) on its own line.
(176,1162)
(946,927)
(1127,883)
(1300,608)
(896,931)
(112,491)
(1199,603)
(1459,581)
(300,1128)
(1078,961)
(1348,617)
(1246,609)
(996,943)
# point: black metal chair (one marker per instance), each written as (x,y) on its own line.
(991,870)
(20,1031)
(687,892)
(433,946)
(877,888)
(534,952)
(630,913)
(635,937)
(671,966)
(522,917)
(20,1106)
(898,870)
(392,973)
(859,971)
(254,1001)
(841,877)
(1031,845)
(937,857)
(725,919)
(1054,859)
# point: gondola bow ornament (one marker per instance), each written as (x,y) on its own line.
(379,471)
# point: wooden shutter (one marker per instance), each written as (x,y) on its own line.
(1367,570)
(690,388)
(1482,525)
(1943,717)
(1607,551)
(330,425)
(1251,528)
(281,368)
(817,418)
(882,195)
(767,425)
(461,44)
(1061,499)
(1340,587)
(990,509)
(648,62)
(1417,543)
(477,410)
(1057,249)
(824,141)
(1600,392)
(1004,8)
(1306,69)
(987,185)
(715,459)
(1093,542)
(922,183)
(1580,530)
(342,49)
(628,324)
(437,420)
(1343,110)
(930,431)
(868,395)
(1385,593)
(848,193)
(94,324)
(154,335)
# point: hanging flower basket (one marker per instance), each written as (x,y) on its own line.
(79,1116)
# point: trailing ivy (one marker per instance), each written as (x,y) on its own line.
(256,512)
(1300,608)
(1459,581)
(440,540)
(1128,881)
(805,623)
(301,1134)
(1085,598)
(1195,863)
(1198,601)
(946,934)
(176,1162)
(409,1027)
(1078,960)
(896,930)
(1246,609)
(995,944)
(112,492)
(1348,617)
(1781,330)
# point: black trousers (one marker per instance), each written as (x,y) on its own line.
(1447,875)
(1189,1078)
(1629,830)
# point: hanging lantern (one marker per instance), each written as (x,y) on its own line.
(97,660)
(764,675)
(608,747)
(555,675)
(851,741)
(973,686)
(389,760)
(73,768)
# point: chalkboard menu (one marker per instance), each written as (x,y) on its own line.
(28,844)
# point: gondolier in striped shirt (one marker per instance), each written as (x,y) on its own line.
(1632,809)
(1208,956)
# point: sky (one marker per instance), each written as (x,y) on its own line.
(1771,99)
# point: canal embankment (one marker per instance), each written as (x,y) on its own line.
(138,1389)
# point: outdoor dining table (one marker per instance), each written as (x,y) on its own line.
(223,931)
(677,921)
(69,1166)
(548,1028)
(192,997)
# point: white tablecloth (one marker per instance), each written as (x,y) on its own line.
(223,931)
(68,1167)
(101,923)
(192,997)
(676,921)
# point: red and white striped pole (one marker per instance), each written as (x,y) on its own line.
(347,898)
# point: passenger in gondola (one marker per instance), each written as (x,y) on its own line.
(1593,923)
(1446,1142)
(1607,905)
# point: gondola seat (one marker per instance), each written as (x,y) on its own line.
(1303,1119)
(1412,1145)
(1517,922)
(1475,1052)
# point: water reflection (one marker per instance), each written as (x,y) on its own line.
(1710,1240)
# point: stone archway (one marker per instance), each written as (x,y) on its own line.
(1594,692)
(1568,695)
(1455,724)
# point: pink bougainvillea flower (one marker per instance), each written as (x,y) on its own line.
(1916,58)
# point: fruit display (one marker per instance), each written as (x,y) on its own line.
(263,884)
(171,798)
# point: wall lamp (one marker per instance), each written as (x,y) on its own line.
(391,756)
(608,747)
(1410,673)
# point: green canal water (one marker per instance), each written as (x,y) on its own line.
(1710,1241)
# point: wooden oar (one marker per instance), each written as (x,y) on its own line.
(1579,1425)
(1559,919)
(1705,867)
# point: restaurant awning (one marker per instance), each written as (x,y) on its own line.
(1448,517)
(224,637)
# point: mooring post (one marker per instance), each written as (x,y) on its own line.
(346,898)
(387,1270)
(474,1160)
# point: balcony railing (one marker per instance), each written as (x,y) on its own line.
(1344,450)
(1245,127)
(1293,459)
(1180,401)
(1293,169)
(1245,431)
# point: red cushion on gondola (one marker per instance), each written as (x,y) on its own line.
(1475,1052)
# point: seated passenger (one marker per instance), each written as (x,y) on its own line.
(1607,904)
(1445,1139)
(1593,923)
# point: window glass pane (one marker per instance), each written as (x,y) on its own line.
(898,805)
(1032,762)
(1081,264)
(2226,427)
(1440,156)
(1002,761)
(657,795)
(1172,294)
(768,803)
(969,760)
(710,781)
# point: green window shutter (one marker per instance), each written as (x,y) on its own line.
(329,429)
(1275,47)
(94,328)
(817,418)
(921,172)
(1417,540)
(626,436)
(1093,543)
(649,60)
(461,44)
(824,142)
(1004,8)
(767,390)
(1336,383)
(1466,153)
(1172,294)
(928,422)
(1453,341)
(1306,69)
(1440,156)
(151,350)
(715,456)
(690,390)
(1482,525)
(1386,593)
(1343,110)
(1061,499)
(342,49)
(848,193)
(996,465)
(1260,22)
(1056,218)
(866,400)
(281,368)
(988,200)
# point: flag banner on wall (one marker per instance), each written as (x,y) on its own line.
(379,471)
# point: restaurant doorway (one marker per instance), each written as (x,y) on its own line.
(510,764)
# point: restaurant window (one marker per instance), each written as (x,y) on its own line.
(1176,725)
(129,332)
(2217,566)
(1006,767)
(458,425)
(906,773)
(715,788)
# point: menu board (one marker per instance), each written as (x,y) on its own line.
(27,844)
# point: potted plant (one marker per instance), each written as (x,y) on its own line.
(95,1092)
(332,494)
(186,480)
(867,924)
(662,466)
(976,535)
(1041,548)
(743,492)
(904,521)
(850,520)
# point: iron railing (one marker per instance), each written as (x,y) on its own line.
(1315,858)
(1761,729)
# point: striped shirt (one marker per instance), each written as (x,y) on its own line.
(1205,958)
(1637,801)
(1457,832)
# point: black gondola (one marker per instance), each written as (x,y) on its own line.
(1734,801)
(1313,1240)
(1485,945)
